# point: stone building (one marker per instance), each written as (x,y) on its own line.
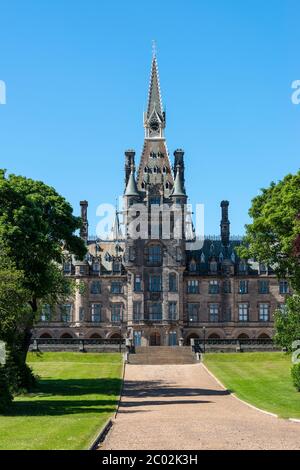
(149,281)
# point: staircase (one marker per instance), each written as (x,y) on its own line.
(157,355)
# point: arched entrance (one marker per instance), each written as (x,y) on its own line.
(66,336)
(115,336)
(155,339)
(243,336)
(191,336)
(45,336)
(95,336)
(214,336)
(264,336)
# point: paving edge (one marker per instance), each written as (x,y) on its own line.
(294,420)
(122,386)
(102,435)
(109,423)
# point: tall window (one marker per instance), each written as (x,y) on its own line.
(264,312)
(263,287)
(155,312)
(193,286)
(213,287)
(172,282)
(81,314)
(154,254)
(193,313)
(137,311)
(116,313)
(243,287)
(137,283)
(66,313)
(214,312)
(172,311)
(283,287)
(46,313)
(96,313)
(116,287)
(95,287)
(243,312)
(154,283)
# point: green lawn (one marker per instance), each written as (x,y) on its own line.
(75,396)
(262,379)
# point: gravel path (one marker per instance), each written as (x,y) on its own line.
(182,407)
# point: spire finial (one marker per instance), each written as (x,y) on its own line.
(153,49)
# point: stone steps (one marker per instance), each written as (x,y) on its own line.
(162,355)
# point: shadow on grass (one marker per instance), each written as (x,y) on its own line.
(45,400)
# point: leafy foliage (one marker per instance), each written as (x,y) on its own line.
(287,323)
(295,372)
(36,226)
(272,236)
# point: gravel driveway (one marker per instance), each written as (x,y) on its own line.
(182,407)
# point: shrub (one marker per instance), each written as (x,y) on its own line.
(295,371)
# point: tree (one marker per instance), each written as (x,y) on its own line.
(36,225)
(273,236)
(287,323)
(13,312)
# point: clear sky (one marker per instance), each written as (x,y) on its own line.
(77,77)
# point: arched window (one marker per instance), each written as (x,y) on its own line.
(154,254)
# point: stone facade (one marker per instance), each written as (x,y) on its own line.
(153,287)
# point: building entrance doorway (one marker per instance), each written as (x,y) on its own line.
(137,338)
(155,339)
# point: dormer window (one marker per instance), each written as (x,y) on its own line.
(96,267)
(167,185)
(243,267)
(164,169)
(213,266)
(146,169)
(116,266)
(67,267)
(192,266)
(202,259)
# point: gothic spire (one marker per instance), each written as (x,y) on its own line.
(154,97)
(116,232)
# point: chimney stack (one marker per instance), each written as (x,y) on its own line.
(129,162)
(225,224)
(84,228)
(179,161)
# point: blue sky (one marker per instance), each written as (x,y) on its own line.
(77,79)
